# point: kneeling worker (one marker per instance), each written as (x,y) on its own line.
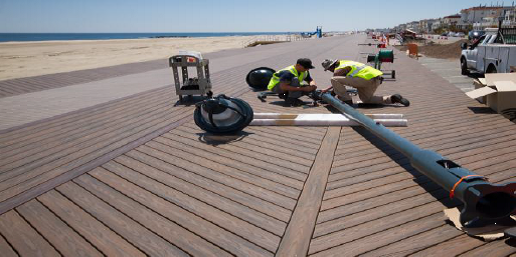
(293,81)
(364,78)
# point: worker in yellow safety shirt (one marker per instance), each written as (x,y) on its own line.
(364,78)
(293,82)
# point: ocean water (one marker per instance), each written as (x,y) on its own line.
(8,37)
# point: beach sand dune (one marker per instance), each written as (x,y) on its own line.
(25,59)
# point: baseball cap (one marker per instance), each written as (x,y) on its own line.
(306,63)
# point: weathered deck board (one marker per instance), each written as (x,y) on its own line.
(128,228)
(37,83)
(200,225)
(153,179)
(26,240)
(298,234)
(102,237)
(62,237)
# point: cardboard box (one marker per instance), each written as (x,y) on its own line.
(480,83)
(500,92)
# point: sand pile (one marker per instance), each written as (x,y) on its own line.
(442,51)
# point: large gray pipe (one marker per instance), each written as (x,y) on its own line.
(483,201)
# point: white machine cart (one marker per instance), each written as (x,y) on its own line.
(200,85)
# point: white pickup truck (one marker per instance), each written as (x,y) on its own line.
(486,55)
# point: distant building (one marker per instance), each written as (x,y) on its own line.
(413,26)
(480,17)
(437,24)
(477,14)
(451,20)
(509,16)
(425,26)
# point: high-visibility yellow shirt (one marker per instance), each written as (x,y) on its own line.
(275,77)
(359,70)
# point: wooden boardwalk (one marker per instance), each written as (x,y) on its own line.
(136,177)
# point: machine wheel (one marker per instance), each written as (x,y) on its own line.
(393,74)
(463,66)
(180,98)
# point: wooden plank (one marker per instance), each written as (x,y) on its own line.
(58,233)
(448,247)
(229,192)
(496,248)
(145,172)
(230,239)
(280,138)
(23,238)
(102,237)
(96,146)
(82,76)
(233,162)
(245,182)
(239,154)
(149,214)
(15,133)
(356,229)
(300,228)
(68,174)
(252,143)
(419,242)
(289,133)
(76,128)
(373,241)
(6,249)
(132,231)
(55,147)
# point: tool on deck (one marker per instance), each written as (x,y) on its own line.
(200,85)
(223,115)
(483,202)
(378,45)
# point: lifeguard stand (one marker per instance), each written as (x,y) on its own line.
(200,85)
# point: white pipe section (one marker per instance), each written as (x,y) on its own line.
(324,122)
(323,116)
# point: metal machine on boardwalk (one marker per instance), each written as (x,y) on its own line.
(189,86)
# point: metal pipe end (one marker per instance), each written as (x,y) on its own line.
(488,204)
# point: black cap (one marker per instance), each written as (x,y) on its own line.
(306,63)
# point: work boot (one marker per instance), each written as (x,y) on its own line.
(294,101)
(397,98)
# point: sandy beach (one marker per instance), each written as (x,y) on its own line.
(25,59)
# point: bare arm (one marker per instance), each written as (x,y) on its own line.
(342,72)
(287,87)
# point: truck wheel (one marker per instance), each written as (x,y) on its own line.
(491,69)
(463,66)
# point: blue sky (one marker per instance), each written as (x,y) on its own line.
(218,15)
